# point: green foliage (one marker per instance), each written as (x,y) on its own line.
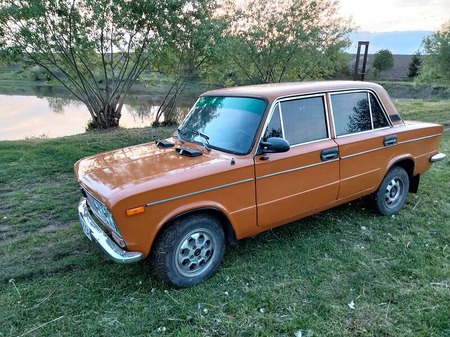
(95,48)
(383,60)
(189,49)
(269,41)
(414,65)
(435,67)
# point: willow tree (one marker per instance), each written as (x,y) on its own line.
(279,40)
(97,49)
(193,43)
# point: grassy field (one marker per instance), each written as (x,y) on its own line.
(343,272)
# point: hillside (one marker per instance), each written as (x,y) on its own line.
(398,72)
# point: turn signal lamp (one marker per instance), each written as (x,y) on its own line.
(135,210)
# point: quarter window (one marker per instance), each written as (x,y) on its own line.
(274,127)
(379,118)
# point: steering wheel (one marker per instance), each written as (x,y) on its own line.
(242,139)
(242,136)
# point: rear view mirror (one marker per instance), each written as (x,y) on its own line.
(273,145)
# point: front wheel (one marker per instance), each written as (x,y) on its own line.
(189,250)
(392,193)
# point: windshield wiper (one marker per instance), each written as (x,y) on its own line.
(197,133)
(181,133)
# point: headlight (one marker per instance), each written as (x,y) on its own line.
(102,212)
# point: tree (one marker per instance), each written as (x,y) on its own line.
(414,65)
(97,49)
(383,60)
(192,47)
(274,41)
(435,67)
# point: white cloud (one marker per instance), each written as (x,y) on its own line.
(397,15)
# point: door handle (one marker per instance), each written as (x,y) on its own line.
(390,140)
(329,154)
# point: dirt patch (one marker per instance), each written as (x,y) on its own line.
(54,227)
(7,234)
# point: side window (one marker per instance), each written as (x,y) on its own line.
(378,116)
(274,126)
(351,113)
(304,120)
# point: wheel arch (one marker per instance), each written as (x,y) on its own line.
(230,235)
(408,165)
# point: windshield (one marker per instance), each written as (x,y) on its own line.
(225,123)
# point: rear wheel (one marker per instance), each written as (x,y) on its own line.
(390,197)
(189,251)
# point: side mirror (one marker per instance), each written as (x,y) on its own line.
(273,145)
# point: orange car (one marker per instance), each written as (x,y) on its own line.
(247,159)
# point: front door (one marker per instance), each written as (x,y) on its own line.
(293,184)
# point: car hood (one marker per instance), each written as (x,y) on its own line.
(110,172)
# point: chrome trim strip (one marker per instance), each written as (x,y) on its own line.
(362,132)
(370,109)
(312,142)
(296,169)
(387,147)
(280,114)
(365,152)
(421,138)
(360,175)
(198,192)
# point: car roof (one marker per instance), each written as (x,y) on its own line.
(275,90)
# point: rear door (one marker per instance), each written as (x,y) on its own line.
(365,138)
(292,184)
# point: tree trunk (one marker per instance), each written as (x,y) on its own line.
(106,118)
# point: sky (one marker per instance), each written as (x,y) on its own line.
(397,15)
(397,25)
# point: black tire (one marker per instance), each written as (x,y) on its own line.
(391,195)
(189,250)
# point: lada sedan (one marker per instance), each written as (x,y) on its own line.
(245,160)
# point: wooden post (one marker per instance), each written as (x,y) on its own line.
(358,56)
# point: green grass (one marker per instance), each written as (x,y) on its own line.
(437,111)
(299,277)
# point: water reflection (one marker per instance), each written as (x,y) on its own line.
(26,116)
(58,104)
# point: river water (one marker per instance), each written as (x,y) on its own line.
(28,116)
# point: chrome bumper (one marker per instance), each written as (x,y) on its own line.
(98,236)
(437,157)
